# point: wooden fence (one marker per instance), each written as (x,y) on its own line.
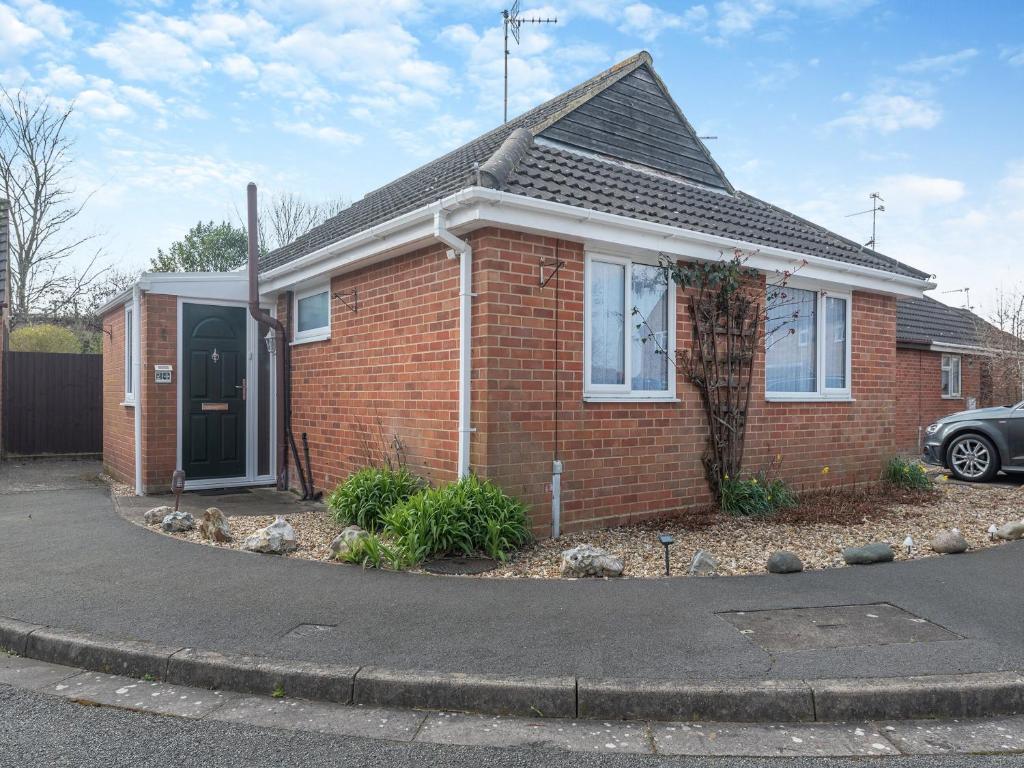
(52,403)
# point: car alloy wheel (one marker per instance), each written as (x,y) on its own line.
(971,458)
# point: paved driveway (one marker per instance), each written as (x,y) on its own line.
(67,559)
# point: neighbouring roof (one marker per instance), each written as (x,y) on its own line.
(617,143)
(926,321)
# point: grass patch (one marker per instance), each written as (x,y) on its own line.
(905,473)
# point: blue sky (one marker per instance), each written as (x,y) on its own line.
(815,103)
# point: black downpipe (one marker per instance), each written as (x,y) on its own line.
(285,437)
(313,493)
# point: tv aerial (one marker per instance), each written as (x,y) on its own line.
(874,210)
(511,20)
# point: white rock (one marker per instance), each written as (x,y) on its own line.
(949,543)
(1011,531)
(346,540)
(214,526)
(156,515)
(586,560)
(178,521)
(276,539)
(703,564)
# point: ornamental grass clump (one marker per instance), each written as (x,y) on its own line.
(757,496)
(368,494)
(906,473)
(469,516)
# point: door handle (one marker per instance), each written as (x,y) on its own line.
(244,386)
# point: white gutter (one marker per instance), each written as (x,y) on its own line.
(481,206)
(462,251)
(137,382)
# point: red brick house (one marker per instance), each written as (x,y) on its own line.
(476,313)
(947,360)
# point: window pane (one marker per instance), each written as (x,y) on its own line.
(954,376)
(835,343)
(607,323)
(649,356)
(129,351)
(313,312)
(791,341)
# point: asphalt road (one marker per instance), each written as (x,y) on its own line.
(66,559)
(41,730)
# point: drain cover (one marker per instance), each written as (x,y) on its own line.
(306,631)
(839,626)
(460,566)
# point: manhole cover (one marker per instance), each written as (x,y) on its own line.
(460,566)
(306,631)
(839,626)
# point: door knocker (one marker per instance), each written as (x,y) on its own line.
(215,356)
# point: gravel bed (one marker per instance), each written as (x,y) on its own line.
(740,545)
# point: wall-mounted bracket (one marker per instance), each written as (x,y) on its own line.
(349,298)
(554,265)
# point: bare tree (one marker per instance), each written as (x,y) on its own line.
(1003,371)
(286,216)
(35,158)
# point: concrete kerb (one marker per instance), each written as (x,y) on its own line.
(945,696)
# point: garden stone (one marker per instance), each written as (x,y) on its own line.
(214,526)
(949,543)
(346,540)
(276,539)
(784,562)
(877,552)
(1011,531)
(176,522)
(586,560)
(156,515)
(703,564)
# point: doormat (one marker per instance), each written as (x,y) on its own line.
(221,492)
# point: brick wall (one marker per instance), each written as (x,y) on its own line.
(630,461)
(118,420)
(160,401)
(919,392)
(389,370)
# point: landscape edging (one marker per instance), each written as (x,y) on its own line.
(937,696)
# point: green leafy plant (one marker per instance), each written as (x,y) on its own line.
(278,692)
(757,496)
(371,552)
(366,495)
(906,473)
(464,517)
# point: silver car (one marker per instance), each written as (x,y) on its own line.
(976,445)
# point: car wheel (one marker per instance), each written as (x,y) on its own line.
(972,458)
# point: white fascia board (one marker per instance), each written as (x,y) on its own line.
(118,300)
(476,207)
(197,285)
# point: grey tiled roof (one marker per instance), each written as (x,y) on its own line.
(688,191)
(927,321)
(589,182)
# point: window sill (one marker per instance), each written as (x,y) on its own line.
(809,398)
(310,339)
(628,399)
(128,404)
(952,397)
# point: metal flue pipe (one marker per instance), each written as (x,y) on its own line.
(283,367)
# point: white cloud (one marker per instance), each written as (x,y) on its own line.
(239,66)
(28,24)
(102,105)
(773,77)
(325,133)
(1013,55)
(887,112)
(143,51)
(63,78)
(737,17)
(949,63)
(912,192)
(648,22)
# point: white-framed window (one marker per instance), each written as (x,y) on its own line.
(629,329)
(129,353)
(807,343)
(951,377)
(313,314)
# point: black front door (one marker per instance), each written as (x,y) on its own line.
(213,382)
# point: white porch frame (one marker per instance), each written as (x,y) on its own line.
(251,404)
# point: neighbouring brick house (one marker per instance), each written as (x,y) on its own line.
(947,360)
(477,312)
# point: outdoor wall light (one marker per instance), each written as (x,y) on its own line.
(177,486)
(666,541)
